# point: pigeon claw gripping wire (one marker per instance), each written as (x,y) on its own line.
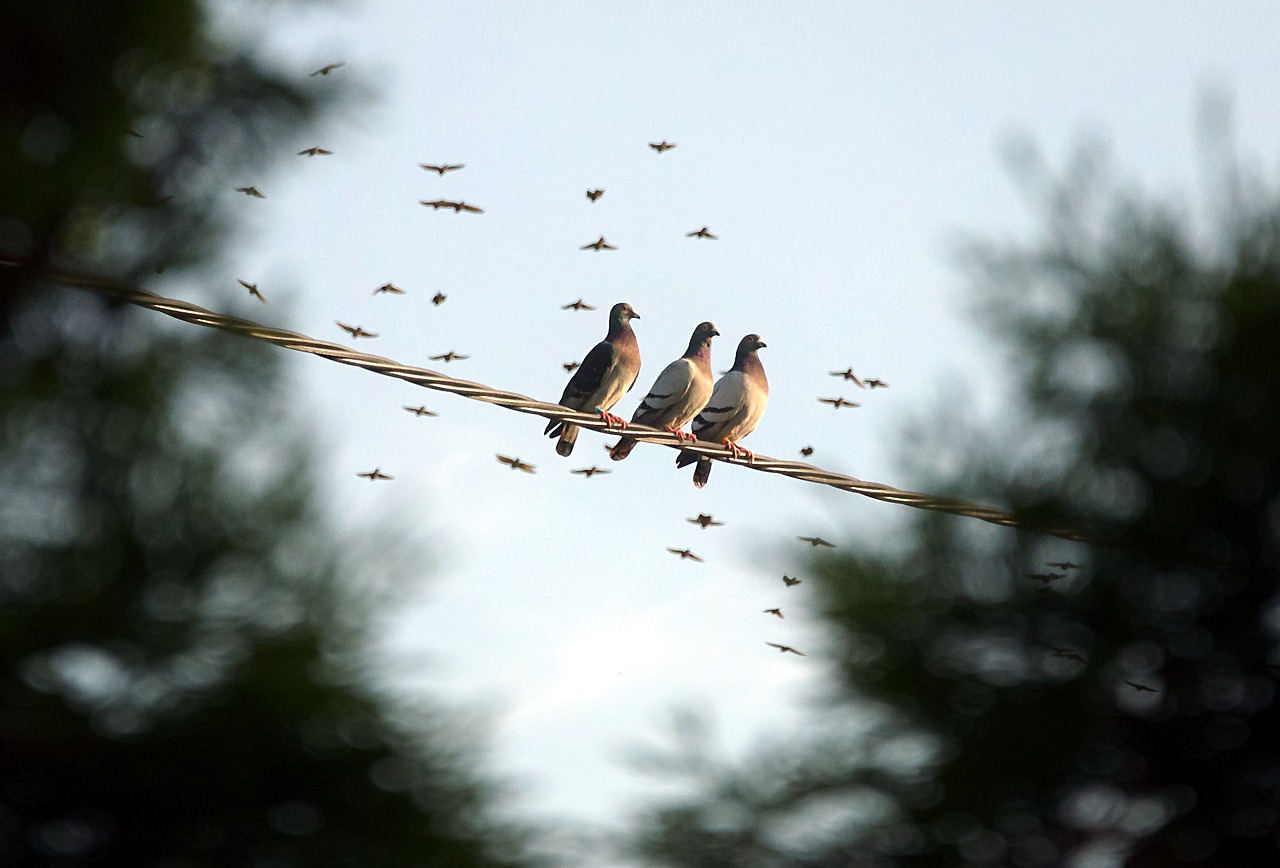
(739,452)
(681,435)
(610,420)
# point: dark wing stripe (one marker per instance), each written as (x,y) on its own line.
(588,377)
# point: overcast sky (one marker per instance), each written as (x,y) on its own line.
(839,150)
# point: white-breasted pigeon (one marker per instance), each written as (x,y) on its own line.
(681,390)
(735,408)
(606,374)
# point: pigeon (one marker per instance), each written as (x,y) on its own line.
(777,612)
(806,451)
(576,305)
(685,554)
(253,289)
(816,541)
(1141,688)
(458,207)
(355,331)
(438,299)
(515,463)
(705,521)
(251,191)
(598,244)
(1068,654)
(838,402)
(681,390)
(848,374)
(448,357)
(736,405)
(326,69)
(661,146)
(389,287)
(873,383)
(375,474)
(593,195)
(789,581)
(606,374)
(314,152)
(421,411)
(1063,565)
(441,169)
(570,367)
(588,472)
(785,649)
(701,233)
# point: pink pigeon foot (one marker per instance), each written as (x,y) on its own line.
(680,435)
(612,421)
(740,451)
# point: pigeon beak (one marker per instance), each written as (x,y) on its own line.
(715,334)
(763,344)
(635,315)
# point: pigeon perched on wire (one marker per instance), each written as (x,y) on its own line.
(736,406)
(605,375)
(681,390)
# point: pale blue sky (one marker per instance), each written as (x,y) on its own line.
(838,149)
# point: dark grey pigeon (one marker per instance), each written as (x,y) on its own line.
(606,374)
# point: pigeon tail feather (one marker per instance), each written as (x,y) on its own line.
(702,472)
(568,436)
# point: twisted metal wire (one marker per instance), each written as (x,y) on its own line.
(191,313)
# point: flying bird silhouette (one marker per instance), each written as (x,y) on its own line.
(605,375)
(438,299)
(448,357)
(251,191)
(458,207)
(314,152)
(389,287)
(785,649)
(577,305)
(1046,578)
(705,521)
(355,331)
(375,474)
(681,390)
(253,289)
(593,195)
(849,375)
(837,403)
(1063,565)
(685,554)
(598,244)
(736,406)
(701,233)
(326,69)
(1068,654)
(515,463)
(816,541)
(569,367)
(777,612)
(806,451)
(588,472)
(661,146)
(873,383)
(421,411)
(444,167)
(789,581)
(1141,688)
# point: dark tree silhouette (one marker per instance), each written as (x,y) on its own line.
(997,710)
(177,677)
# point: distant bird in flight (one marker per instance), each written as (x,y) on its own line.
(389,287)
(848,374)
(789,581)
(355,331)
(458,207)
(736,406)
(1046,578)
(448,357)
(681,390)
(1141,688)
(375,474)
(605,375)
(421,411)
(785,649)
(701,233)
(438,299)
(251,191)
(838,402)
(873,383)
(326,69)
(515,463)
(705,521)
(685,554)
(569,367)
(253,289)
(594,194)
(1063,565)
(806,451)
(588,472)
(777,612)
(314,152)
(1068,654)
(441,169)
(577,305)
(816,541)
(598,244)
(661,146)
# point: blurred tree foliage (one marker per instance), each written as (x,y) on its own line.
(989,717)
(177,682)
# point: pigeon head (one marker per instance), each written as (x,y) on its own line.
(621,313)
(750,344)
